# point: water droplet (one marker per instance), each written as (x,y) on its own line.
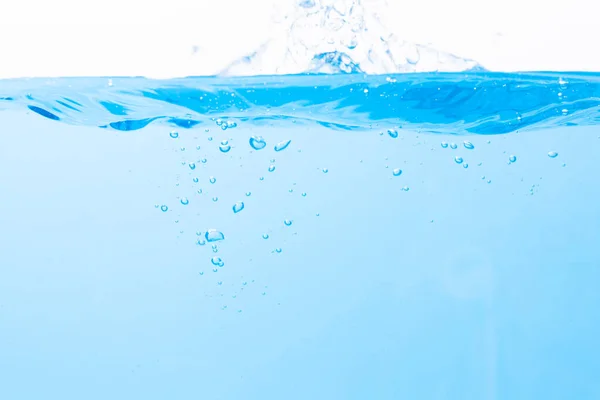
(201,273)
(304,194)
(182,149)
(212,179)
(237,207)
(198,147)
(257,142)
(185,201)
(397,172)
(406,188)
(444,145)
(164,208)
(200,242)
(265,235)
(489,181)
(195,179)
(393,133)
(215,199)
(465,165)
(278,249)
(231,124)
(217,261)
(174,134)
(210,138)
(552,154)
(325,170)
(192,166)
(453,146)
(199,191)
(204,160)
(512,159)
(213,235)
(458,160)
(248,194)
(224,147)
(287,222)
(262,178)
(215,248)
(271,168)
(468,145)
(282,145)
(219,121)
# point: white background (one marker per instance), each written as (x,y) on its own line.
(155,38)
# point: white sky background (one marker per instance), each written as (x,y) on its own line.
(155,38)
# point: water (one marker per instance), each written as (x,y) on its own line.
(439,281)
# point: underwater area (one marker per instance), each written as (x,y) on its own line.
(399,236)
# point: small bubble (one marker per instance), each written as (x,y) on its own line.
(406,188)
(465,165)
(271,168)
(257,142)
(224,147)
(201,273)
(219,121)
(565,111)
(512,159)
(192,166)
(182,149)
(215,270)
(468,145)
(215,248)
(164,208)
(265,236)
(213,235)
(393,133)
(195,179)
(204,160)
(453,146)
(231,124)
(278,249)
(325,170)
(198,147)
(397,172)
(199,191)
(174,134)
(282,145)
(237,207)
(248,194)
(185,201)
(287,222)
(215,199)
(444,145)
(217,261)
(262,178)
(200,242)
(489,181)
(458,160)
(552,154)
(212,179)
(303,194)
(220,283)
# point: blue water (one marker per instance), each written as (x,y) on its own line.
(429,236)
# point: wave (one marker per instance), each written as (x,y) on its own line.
(473,103)
(324,36)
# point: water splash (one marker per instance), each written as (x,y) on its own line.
(341,36)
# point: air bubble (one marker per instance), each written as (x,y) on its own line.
(237,207)
(444,145)
(257,142)
(164,208)
(213,235)
(397,172)
(393,133)
(552,154)
(468,145)
(458,160)
(174,134)
(282,145)
(185,201)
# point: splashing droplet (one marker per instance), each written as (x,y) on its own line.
(397,172)
(257,142)
(282,145)
(213,235)
(237,207)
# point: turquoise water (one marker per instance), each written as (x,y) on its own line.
(428,236)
